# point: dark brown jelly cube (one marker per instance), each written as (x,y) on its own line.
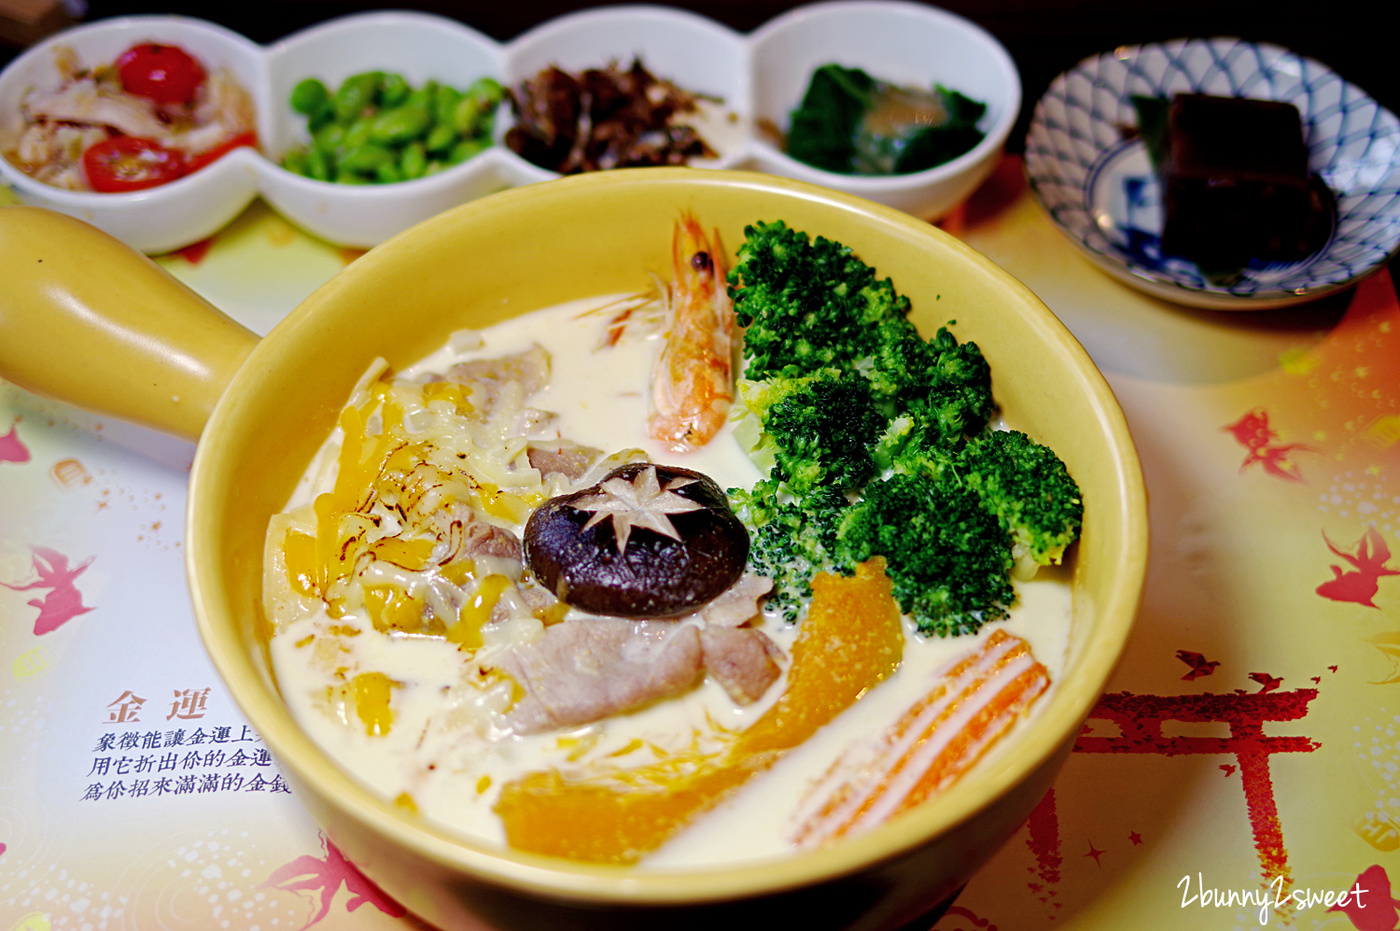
(1236,181)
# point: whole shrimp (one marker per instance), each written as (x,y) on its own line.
(692,383)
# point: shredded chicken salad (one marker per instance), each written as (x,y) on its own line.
(153,115)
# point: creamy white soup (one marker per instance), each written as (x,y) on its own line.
(428,713)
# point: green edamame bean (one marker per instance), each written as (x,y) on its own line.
(328,138)
(466,116)
(321,118)
(355,95)
(413,161)
(310,97)
(465,149)
(365,158)
(445,102)
(388,173)
(377,127)
(355,134)
(423,96)
(319,165)
(400,125)
(486,89)
(440,138)
(394,90)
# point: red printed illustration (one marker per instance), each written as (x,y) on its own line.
(1142,725)
(323,877)
(11,448)
(1140,718)
(1200,666)
(63,601)
(1267,683)
(1377,909)
(1252,431)
(1367,559)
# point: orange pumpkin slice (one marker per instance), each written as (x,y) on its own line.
(850,641)
(616,817)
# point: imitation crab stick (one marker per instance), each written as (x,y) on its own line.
(974,703)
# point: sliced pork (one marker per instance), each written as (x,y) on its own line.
(742,660)
(585,670)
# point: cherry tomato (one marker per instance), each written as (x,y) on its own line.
(129,163)
(210,156)
(163,73)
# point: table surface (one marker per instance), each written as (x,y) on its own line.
(1251,734)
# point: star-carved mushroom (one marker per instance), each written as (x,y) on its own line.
(647,541)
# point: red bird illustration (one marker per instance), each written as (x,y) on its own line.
(1266,682)
(11,449)
(1359,584)
(323,877)
(63,602)
(1375,908)
(1252,431)
(1200,666)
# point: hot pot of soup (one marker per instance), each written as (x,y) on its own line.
(579,572)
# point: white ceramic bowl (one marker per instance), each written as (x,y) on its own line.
(904,43)
(161,218)
(760,76)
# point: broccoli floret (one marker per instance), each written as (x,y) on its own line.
(915,447)
(941,381)
(1030,491)
(945,554)
(876,442)
(809,303)
(819,429)
(790,542)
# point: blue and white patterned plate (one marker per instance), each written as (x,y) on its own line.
(1091,172)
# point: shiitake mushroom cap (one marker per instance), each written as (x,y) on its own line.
(653,575)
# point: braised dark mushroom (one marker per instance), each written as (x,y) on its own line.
(647,541)
(602,118)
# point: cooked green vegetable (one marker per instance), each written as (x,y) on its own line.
(876,441)
(944,551)
(809,304)
(789,542)
(851,123)
(820,429)
(377,128)
(1030,491)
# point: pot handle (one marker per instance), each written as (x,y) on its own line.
(88,320)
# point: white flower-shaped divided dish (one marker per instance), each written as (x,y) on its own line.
(760,77)
(1091,170)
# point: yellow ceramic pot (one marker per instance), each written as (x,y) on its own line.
(92,322)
